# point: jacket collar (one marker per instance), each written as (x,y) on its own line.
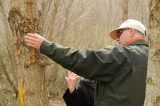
(138,42)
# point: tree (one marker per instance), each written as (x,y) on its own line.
(30,68)
(153,77)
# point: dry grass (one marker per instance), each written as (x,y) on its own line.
(56,102)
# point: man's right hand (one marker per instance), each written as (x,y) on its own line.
(34,40)
(71,81)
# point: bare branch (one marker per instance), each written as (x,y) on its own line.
(9,78)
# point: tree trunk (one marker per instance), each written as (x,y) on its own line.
(23,17)
(153,77)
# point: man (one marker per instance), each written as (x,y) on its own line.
(120,71)
(83,95)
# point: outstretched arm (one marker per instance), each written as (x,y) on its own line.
(98,65)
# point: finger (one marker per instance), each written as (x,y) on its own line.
(33,35)
(30,38)
(77,77)
(66,78)
(69,74)
(30,41)
(31,45)
(74,75)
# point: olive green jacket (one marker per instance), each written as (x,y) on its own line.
(120,71)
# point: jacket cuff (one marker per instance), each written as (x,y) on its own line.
(70,98)
(68,95)
(45,46)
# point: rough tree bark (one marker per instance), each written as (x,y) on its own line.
(153,77)
(24,17)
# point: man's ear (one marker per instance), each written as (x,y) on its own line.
(132,32)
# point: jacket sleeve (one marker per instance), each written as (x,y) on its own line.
(70,98)
(98,65)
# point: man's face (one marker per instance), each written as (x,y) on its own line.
(124,36)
